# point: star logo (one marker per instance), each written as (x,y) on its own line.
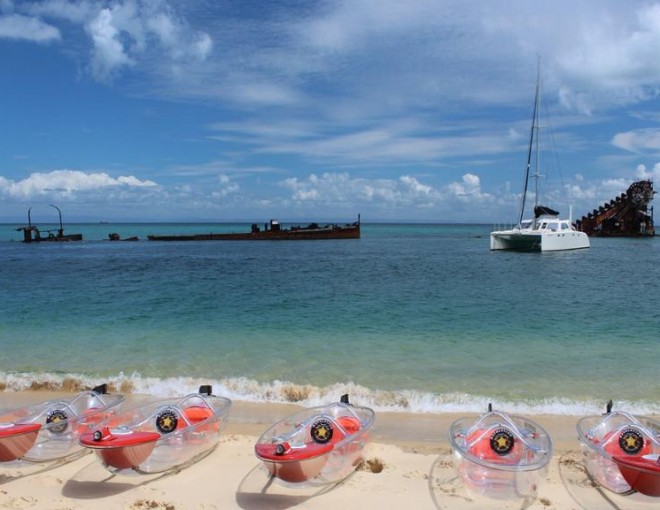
(321,431)
(631,441)
(167,421)
(501,442)
(55,418)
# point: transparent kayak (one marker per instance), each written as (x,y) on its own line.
(621,451)
(50,430)
(499,455)
(316,446)
(161,435)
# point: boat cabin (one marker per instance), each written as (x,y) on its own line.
(547,224)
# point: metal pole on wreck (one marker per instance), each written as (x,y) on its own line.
(61,230)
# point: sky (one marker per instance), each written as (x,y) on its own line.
(315,110)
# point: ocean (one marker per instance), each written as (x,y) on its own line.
(415,318)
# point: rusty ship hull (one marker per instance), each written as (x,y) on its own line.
(628,215)
(273,232)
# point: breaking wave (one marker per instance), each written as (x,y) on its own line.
(248,390)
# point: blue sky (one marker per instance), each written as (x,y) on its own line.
(225,110)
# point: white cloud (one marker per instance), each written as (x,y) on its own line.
(638,140)
(586,196)
(66,182)
(380,53)
(109,55)
(404,192)
(409,142)
(613,60)
(126,33)
(17,26)
(415,186)
(75,12)
(654,174)
(263,92)
(469,190)
(174,37)
(329,188)
(227,187)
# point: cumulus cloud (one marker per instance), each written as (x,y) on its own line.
(585,195)
(469,190)
(17,26)
(654,174)
(66,182)
(406,191)
(227,187)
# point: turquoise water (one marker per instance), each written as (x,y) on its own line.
(422,318)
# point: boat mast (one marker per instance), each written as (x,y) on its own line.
(537,175)
(61,230)
(534,127)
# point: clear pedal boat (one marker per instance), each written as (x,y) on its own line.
(316,446)
(161,435)
(499,455)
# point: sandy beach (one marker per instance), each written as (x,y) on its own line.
(406,465)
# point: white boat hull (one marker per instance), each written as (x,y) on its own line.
(520,240)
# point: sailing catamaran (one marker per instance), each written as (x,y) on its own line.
(545,231)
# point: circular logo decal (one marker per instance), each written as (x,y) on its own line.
(501,442)
(321,431)
(631,441)
(56,416)
(167,421)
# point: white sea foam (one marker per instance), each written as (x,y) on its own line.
(249,390)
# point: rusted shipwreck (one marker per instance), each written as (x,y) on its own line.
(32,234)
(273,231)
(627,215)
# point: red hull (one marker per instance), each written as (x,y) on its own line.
(122,451)
(641,473)
(16,440)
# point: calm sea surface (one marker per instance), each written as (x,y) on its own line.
(421,318)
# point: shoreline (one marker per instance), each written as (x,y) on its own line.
(276,392)
(407,464)
(425,432)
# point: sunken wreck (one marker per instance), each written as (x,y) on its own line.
(32,233)
(627,215)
